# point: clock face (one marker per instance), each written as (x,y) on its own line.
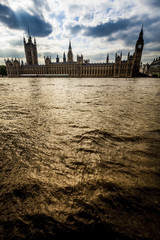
(140,45)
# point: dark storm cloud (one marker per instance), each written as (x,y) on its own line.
(103,29)
(23,20)
(155,3)
(151,34)
(126,30)
(108,28)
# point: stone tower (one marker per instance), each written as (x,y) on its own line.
(138,54)
(70,54)
(30,51)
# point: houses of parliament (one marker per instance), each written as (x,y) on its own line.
(71,68)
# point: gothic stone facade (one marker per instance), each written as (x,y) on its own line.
(79,68)
(154,68)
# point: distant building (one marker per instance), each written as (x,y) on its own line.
(144,68)
(154,68)
(71,68)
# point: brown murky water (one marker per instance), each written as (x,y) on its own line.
(79,158)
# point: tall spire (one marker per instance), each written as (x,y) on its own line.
(69,44)
(70,54)
(29,34)
(24,40)
(107,59)
(141,32)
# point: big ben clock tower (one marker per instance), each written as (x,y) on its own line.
(138,54)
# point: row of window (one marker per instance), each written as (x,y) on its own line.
(71,70)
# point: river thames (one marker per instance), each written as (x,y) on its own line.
(80,158)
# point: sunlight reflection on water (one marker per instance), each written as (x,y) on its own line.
(79,158)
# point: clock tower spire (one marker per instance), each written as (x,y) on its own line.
(138,53)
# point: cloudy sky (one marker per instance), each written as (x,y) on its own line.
(95,27)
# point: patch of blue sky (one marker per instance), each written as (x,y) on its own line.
(59,17)
(108,10)
(76,19)
(59,36)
